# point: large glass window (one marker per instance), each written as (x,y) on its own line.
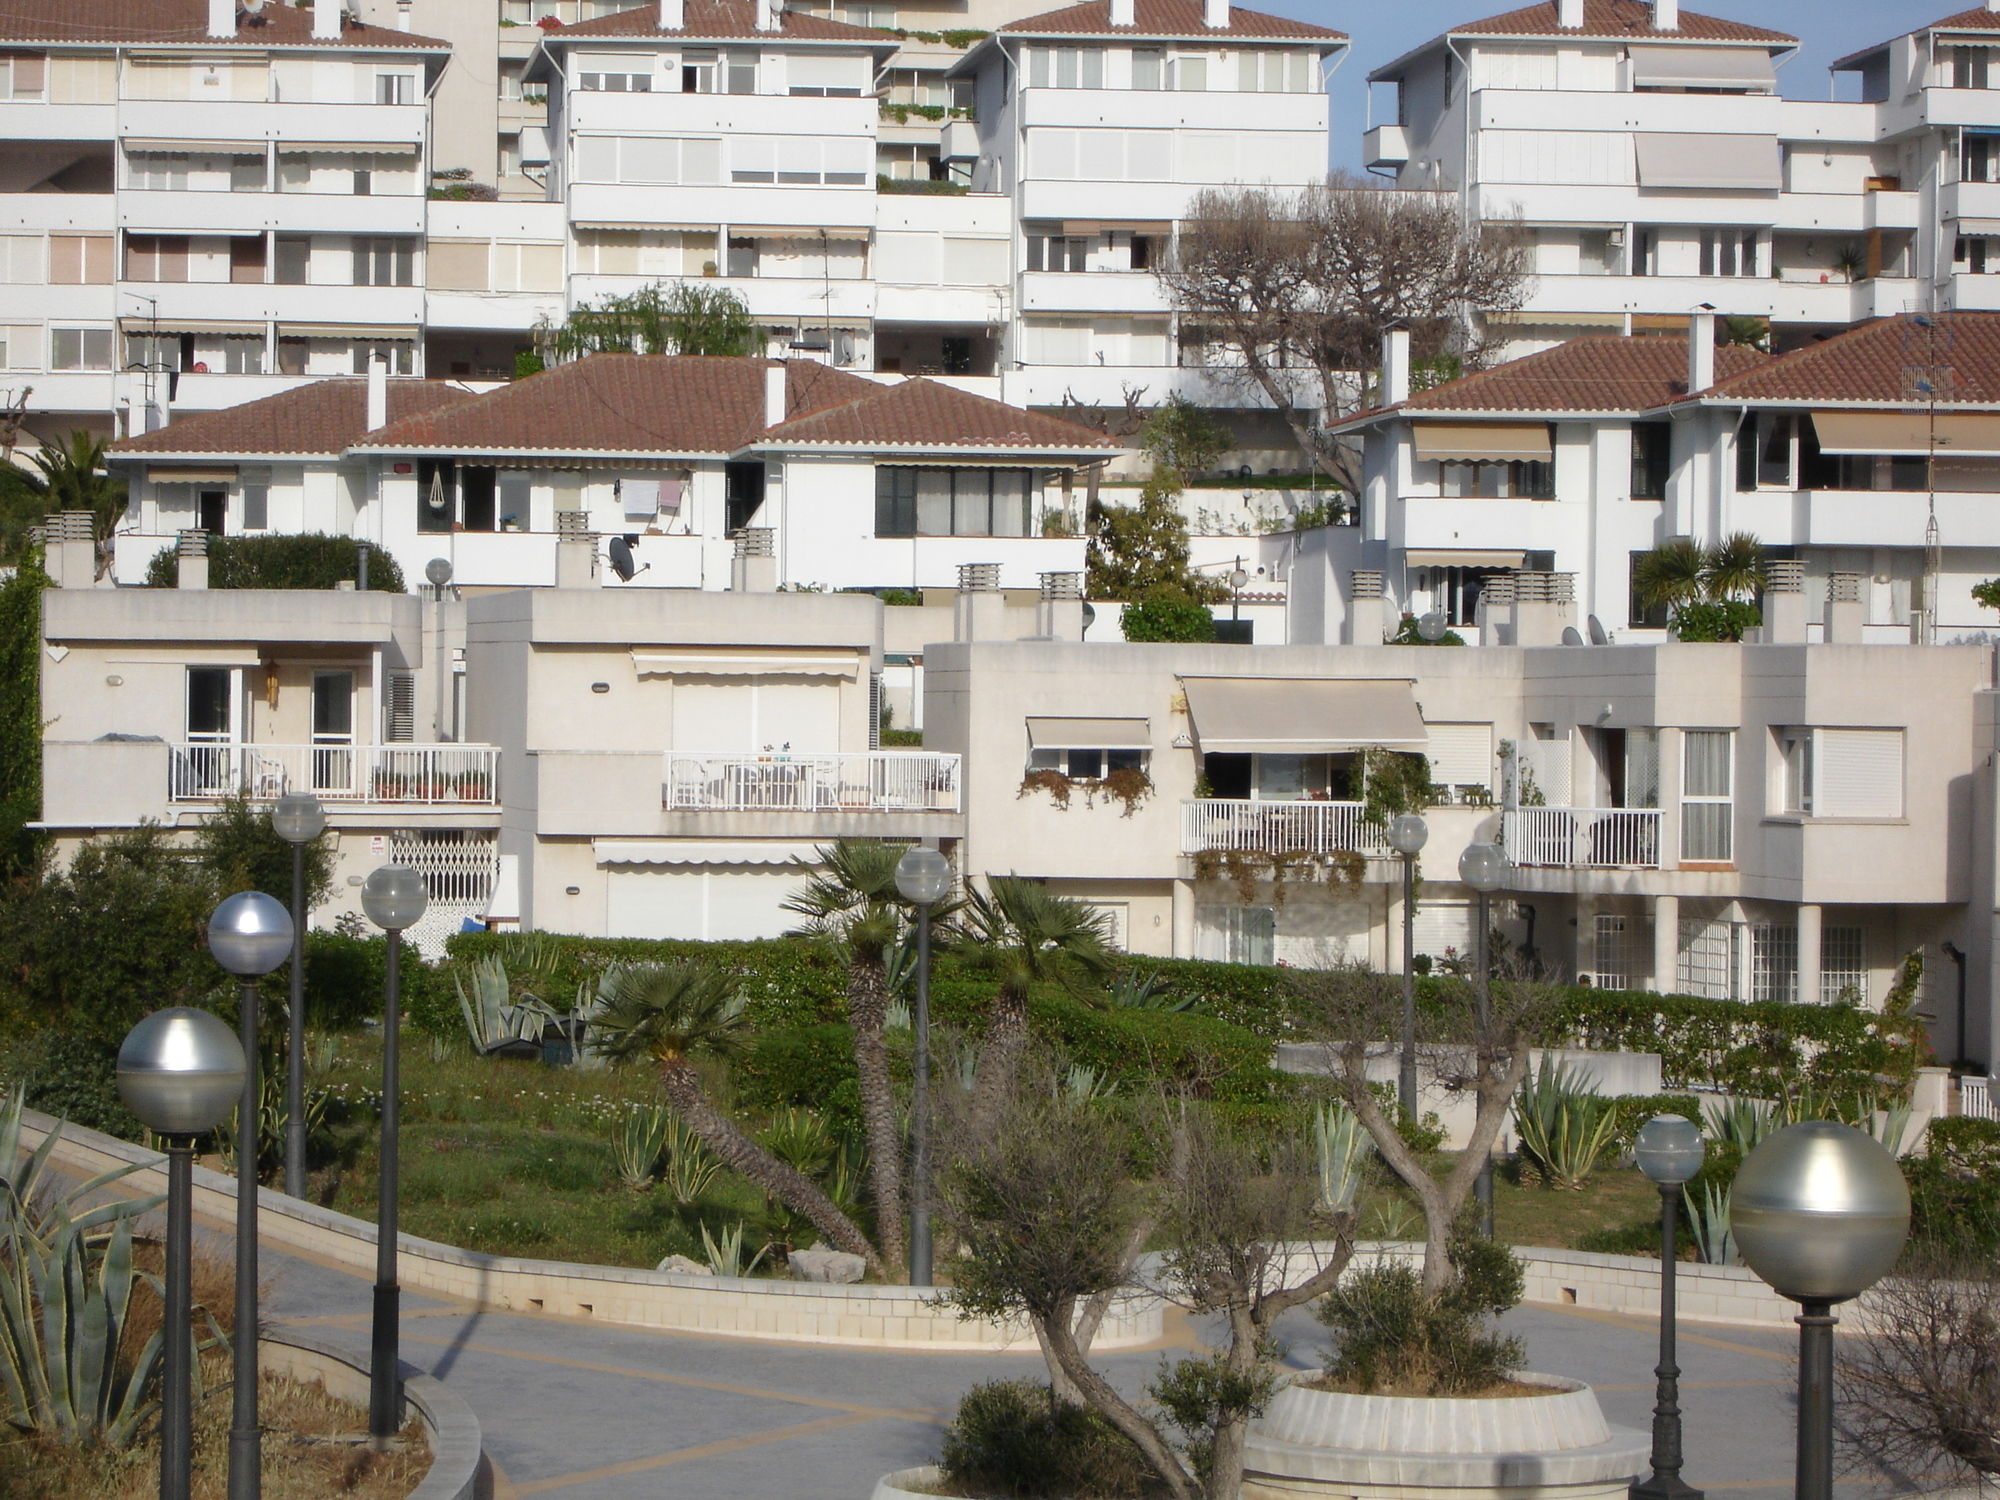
(1517,479)
(952,502)
(1843,966)
(1708,807)
(1651,445)
(1066,67)
(1237,934)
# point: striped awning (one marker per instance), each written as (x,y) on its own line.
(1302,716)
(698,852)
(1089,734)
(1460,442)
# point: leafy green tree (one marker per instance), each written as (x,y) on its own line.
(1165,614)
(1182,438)
(1987,593)
(241,853)
(1705,589)
(72,477)
(672,1013)
(681,317)
(1134,548)
(21,717)
(308,560)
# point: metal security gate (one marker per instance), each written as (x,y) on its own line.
(459,871)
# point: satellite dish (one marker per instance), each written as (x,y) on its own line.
(1598,636)
(1570,637)
(621,559)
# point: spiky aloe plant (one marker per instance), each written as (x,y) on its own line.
(1341,1145)
(1565,1126)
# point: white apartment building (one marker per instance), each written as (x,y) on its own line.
(674,472)
(1868,462)
(1646,152)
(1100,122)
(186,183)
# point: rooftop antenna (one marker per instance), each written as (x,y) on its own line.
(1928,380)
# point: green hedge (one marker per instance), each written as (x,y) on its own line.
(310,560)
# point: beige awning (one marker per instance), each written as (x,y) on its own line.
(1907,433)
(648,227)
(1460,441)
(690,664)
(1464,558)
(1559,319)
(1718,163)
(213,474)
(1976,226)
(185,147)
(691,852)
(1089,734)
(343,331)
(1301,716)
(1702,67)
(167,324)
(841,232)
(371,148)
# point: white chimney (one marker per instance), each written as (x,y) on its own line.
(673,15)
(378,393)
(1215,14)
(222,17)
(774,393)
(1701,351)
(1569,14)
(767,14)
(326,20)
(1666,15)
(1121,13)
(1395,366)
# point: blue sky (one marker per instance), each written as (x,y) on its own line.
(1382,31)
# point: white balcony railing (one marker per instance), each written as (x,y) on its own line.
(864,781)
(1588,838)
(1211,823)
(430,774)
(1975,1097)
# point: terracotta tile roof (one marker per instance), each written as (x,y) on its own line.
(1977,19)
(925,414)
(116,22)
(1632,18)
(1169,18)
(1598,373)
(1879,363)
(723,18)
(323,418)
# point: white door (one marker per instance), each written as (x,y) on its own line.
(706,903)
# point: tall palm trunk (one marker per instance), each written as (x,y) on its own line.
(867,1006)
(682,1086)
(999,1058)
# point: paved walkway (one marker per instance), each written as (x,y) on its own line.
(590,1412)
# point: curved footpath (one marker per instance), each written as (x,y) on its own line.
(569,1406)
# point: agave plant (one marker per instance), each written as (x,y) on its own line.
(1708,1222)
(725,1255)
(1742,1123)
(1082,1084)
(636,1146)
(1342,1145)
(687,1168)
(492,1018)
(1564,1125)
(1135,989)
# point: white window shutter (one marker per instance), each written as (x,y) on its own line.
(1461,754)
(1860,773)
(399,708)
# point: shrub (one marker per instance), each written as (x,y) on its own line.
(1393,1338)
(310,560)
(1565,1126)
(1012,1437)
(1723,620)
(1641,1237)
(1167,615)
(1955,1190)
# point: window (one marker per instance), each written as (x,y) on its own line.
(256,507)
(1795,770)
(291,262)
(1729,252)
(1843,966)
(385,262)
(1764,451)
(1100,155)
(153,351)
(80,259)
(247,174)
(158,171)
(1087,765)
(457,265)
(1774,962)
(741,68)
(1238,934)
(527,268)
(816,77)
(1707,959)
(150,257)
(614,73)
(951,502)
(1707,800)
(698,66)
(23,75)
(1979,158)
(1149,66)
(1618,952)
(1978,255)
(1964,67)
(1840,773)
(1274,72)
(1066,68)
(395,88)
(875,13)
(1517,479)
(1057,252)
(1651,444)
(400,355)
(649,159)
(21,258)
(1455,591)
(242,354)
(80,348)
(1189,74)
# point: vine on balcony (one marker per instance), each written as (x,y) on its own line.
(1127,785)
(1342,869)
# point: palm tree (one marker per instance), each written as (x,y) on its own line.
(851,901)
(1733,568)
(72,477)
(1034,936)
(1670,576)
(672,1012)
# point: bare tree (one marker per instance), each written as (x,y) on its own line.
(1921,1391)
(1296,289)
(1357,1010)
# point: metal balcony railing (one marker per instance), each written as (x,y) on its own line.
(1217,823)
(1588,838)
(861,781)
(203,771)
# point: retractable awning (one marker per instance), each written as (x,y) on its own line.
(1903,434)
(692,852)
(1458,442)
(685,664)
(1464,557)
(1702,67)
(207,474)
(1089,734)
(1719,163)
(1302,716)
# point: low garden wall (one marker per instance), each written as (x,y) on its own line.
(881,1317)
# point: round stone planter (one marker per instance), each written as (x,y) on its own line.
(909,1484)
(1558,1446)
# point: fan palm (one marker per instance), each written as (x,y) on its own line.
(670,1013)
(1733,568)
(1032,936)
(1671,575)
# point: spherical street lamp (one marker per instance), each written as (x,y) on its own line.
(923,878)
(178,1071)
(395,898)
(298,819)
(1430,625)
(1483,867)
(1408,834)
(1669,1151)
(1820,1211)
(250,934)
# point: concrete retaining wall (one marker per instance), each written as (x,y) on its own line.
(881,1317)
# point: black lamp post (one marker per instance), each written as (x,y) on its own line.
(298,819)
(1484,868)
(1669,1151)
(1407,836)
(923,876)
(178,1071)
(250,934)
(394,896)
(1820,1211)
